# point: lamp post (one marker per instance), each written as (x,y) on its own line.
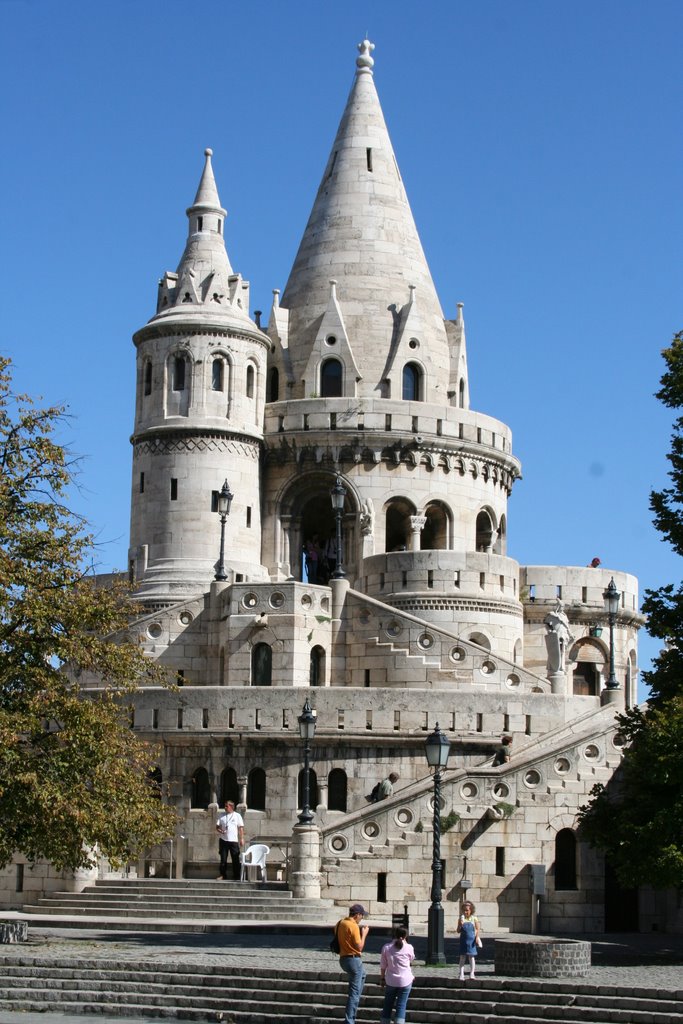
(225,497)
(337,495)
(307,732)
(437,749)
(611,598)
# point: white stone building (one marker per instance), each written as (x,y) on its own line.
(358,376)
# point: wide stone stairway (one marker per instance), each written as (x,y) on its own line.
(247,995)
(125,902)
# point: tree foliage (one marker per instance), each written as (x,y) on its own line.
(73,776)
(637,819)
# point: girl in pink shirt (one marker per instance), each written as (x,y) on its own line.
(397,976)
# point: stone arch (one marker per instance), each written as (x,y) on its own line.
(256,790)
(500,543)
(304,509)
(273,385)
(485,529)
(481,639)
(261,665)
(337,790)
(316,675)
(201,790)
(566,860)
(589,657)
(413,382)
(331,377)
(397,512)
(437,531)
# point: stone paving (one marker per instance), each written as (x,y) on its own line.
(623,962)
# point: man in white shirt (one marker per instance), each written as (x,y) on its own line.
(230,832)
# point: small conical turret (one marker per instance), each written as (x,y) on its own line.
(204,281)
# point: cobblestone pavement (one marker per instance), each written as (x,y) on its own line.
(619,961)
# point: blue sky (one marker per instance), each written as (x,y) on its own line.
(540,145)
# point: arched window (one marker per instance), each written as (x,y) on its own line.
(312,789)
(316,675)
(484,532)
(201,790)
(154,778)
(229,787)
(261,665)
(273,384)
(412,383)
(500,546)
(331,379)
(250,381)
(434,534)
(397,524)
(461,393)
(148,378)
(178,382)
(217,375)
(336,790)
(256,790)
(565,860)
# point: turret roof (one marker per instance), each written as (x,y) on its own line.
(361,233)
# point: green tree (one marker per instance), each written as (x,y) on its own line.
(637,819)
(72,774)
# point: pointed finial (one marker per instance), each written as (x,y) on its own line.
(333,288)
(365,61)
(208,152)
(458,317)
(276,298)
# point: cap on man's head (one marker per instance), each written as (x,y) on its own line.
(357,908)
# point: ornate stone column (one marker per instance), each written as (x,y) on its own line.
(417,524)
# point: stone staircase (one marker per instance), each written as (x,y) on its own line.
(173,901)
(238,994)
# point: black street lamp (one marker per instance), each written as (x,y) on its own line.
(338,495)
(437,749)
(611,598)
(224,502)
(307,732)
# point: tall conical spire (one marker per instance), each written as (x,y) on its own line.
(361,232)
(207,193)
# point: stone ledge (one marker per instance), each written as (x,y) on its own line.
(542,958)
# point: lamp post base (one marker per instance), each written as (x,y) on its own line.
(436,953)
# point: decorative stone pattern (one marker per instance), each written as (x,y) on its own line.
(13,931)
(542,958)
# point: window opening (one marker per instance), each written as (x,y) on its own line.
(411,383)
(178,374)
(368,158)
(201,790)
(174,488)
(565,860)
(256,790)
(331,379)
(273,384)
(261,665)
(337,790)
(148,378)
(217,375)
(250,381)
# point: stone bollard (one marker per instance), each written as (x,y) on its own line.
(304,875)
(13,931)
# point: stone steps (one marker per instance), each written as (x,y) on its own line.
(173,900)
(259,995)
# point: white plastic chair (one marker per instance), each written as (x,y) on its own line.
(254,857)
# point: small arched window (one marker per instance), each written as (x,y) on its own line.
(229,787)
(148,378)
(250,381)
(261,665)
(412,383)
(201,790)
(316,675)
(273,384)
(217,375)
(312,789)
(484,532)
(331,379)
(256,790)
(565,860)
(337,787)
(179,373)
(461,393)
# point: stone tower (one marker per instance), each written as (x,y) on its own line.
(359,384)
(200,393)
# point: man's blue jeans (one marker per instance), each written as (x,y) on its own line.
(399,998)
(353,966)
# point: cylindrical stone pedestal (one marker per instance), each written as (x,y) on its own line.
(542,958)
(304,875)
